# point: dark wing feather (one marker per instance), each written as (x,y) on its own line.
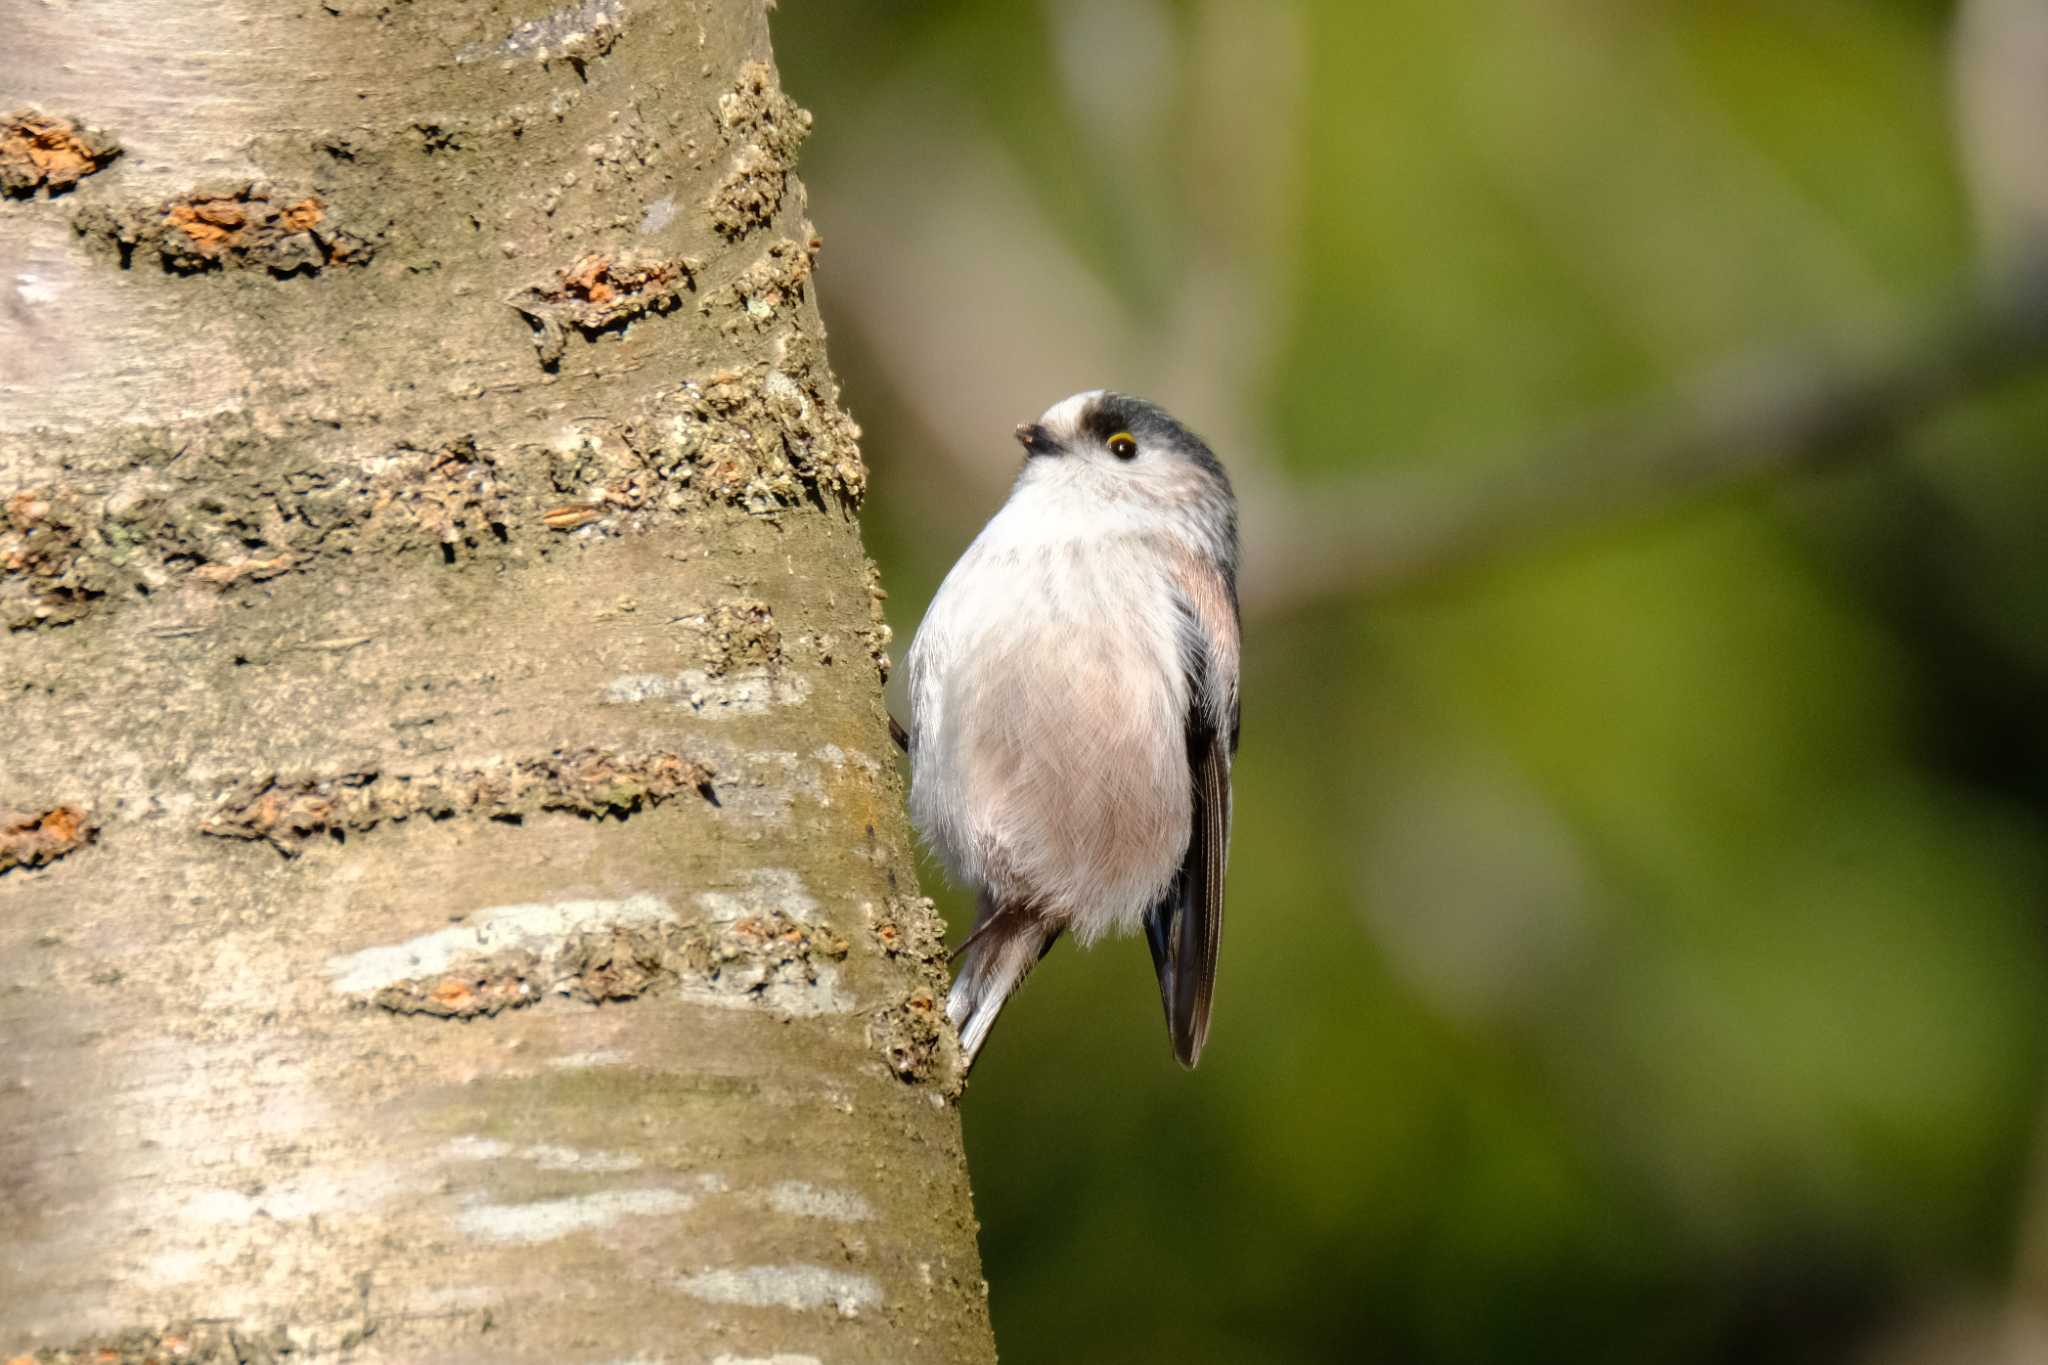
(1185,929)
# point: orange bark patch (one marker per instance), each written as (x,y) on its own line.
(307,213)
(599,279)
(587,279)
(214,225)
(41,151)
(600,293)
(31,839)
(251,225)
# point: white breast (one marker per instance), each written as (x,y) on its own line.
(1048,703)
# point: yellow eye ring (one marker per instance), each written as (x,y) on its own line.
(1123,445)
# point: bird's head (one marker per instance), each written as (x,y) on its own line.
(1125,448)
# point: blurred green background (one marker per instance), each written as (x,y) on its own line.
(1635,941)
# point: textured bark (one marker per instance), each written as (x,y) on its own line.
(454,897)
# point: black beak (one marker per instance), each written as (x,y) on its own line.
(1036,440)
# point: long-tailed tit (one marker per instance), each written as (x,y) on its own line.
(1074,709)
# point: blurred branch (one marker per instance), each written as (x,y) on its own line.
(1769,417)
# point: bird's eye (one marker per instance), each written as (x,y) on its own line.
(1124,446)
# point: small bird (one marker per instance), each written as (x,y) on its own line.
(1074,710)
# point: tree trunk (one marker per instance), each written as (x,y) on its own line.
(454,897)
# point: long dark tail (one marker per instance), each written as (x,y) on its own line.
(1007,942)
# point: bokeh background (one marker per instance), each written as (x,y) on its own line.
(1635,945)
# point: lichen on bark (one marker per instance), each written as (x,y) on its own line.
(765,127)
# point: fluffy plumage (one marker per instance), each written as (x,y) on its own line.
(1074,709)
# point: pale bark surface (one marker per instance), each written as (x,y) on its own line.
(454,897)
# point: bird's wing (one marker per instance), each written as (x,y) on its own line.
(1185,929)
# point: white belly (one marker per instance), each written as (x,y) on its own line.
(1049,703)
